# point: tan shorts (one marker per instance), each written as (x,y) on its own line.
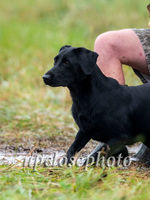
(144,36)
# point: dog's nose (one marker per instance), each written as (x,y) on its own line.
(46,76)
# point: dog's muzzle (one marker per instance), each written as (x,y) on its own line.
(46,78)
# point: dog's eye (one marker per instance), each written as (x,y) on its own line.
(65,61)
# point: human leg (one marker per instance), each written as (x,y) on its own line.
(120,47)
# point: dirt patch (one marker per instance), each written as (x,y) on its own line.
(27,156)
(44,149)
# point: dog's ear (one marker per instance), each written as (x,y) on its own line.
(64,47)
(87,60)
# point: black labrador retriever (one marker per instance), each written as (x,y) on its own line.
(103,109)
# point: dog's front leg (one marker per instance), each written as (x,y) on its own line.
(80,141)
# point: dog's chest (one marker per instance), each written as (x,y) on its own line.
(82,115)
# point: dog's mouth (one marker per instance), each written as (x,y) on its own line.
(49,80)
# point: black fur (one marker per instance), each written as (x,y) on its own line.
(103,109)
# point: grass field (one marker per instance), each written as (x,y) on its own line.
(31,33)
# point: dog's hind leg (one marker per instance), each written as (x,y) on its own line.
(93,156)
(118,146)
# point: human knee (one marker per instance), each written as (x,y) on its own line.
(107,42)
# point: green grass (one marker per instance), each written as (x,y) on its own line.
(31,33)
(62,184)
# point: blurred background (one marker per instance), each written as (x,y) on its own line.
(34,117)
(31,33)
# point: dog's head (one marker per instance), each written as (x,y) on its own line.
(71,65)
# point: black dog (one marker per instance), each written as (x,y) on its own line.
(103,109)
